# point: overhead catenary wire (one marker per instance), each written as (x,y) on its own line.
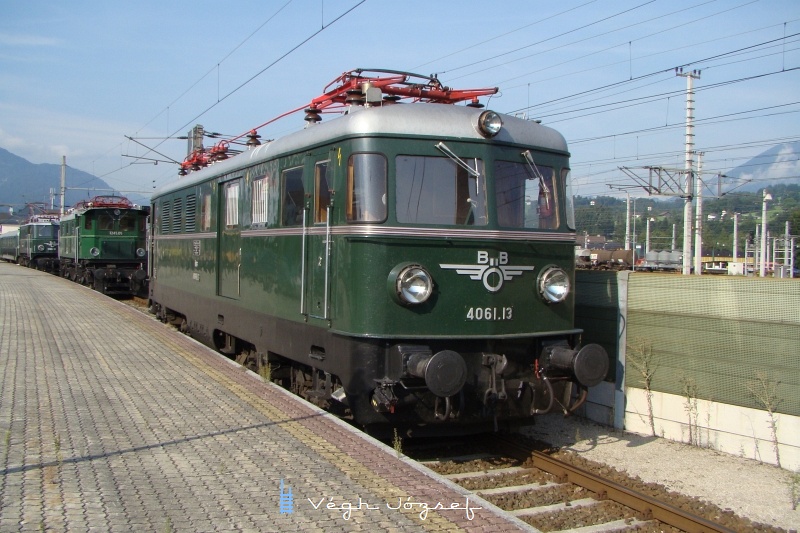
(564,112)
(246,82)
(216,66)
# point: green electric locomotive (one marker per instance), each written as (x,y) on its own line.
(38,242)
(34,244)
(103,244)
(407,264)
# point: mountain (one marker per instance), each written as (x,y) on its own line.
(23,182)
(779,165)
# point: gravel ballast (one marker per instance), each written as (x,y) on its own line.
(758,491)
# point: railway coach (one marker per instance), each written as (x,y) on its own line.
(406,264)
(9,245)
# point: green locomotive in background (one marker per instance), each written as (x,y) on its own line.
(103,244)
(406,264)
(34,244)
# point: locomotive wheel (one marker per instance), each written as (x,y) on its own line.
(300,383)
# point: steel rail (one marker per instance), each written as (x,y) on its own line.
(649,506)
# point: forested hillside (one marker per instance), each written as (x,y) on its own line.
(605,216)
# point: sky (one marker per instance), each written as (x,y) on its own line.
(109,83)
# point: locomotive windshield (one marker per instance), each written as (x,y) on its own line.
(114,220)
(130,221)
(436,190)
(47,231)
(525,196)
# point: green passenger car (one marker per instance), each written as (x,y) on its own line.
(9,246)
(407,265)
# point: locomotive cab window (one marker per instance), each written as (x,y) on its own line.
(366,188)
(322,196)
(525,196)
(437,190)
(293,195)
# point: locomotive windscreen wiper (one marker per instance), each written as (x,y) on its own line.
(535,171)
(463,164)
(457,160)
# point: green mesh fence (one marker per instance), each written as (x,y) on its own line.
(726,339)
(730,339)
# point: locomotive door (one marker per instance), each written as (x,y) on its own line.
(230,239)
(317,280)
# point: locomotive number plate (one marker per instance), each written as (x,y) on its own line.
(490,313)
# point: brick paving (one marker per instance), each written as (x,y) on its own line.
(112,421)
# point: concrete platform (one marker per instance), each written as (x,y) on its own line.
(112,421)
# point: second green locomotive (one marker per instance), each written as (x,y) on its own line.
(34,244)
(103,244)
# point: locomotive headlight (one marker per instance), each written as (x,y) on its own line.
(140,252)
(553,285)
(410,284)
(95,251)
(40,247)
(489,123)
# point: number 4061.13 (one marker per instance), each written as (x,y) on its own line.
(490,313)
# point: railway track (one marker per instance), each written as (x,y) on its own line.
(554,495)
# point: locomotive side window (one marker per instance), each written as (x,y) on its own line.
(205,212)
(261,200)
(525,196)
(293,194)
(366,188)
(435,190)
(567,180)
(322,197)
(232,204)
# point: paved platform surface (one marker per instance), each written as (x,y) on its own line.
(112,421)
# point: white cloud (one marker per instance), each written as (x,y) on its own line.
(7,39)
(11,142)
